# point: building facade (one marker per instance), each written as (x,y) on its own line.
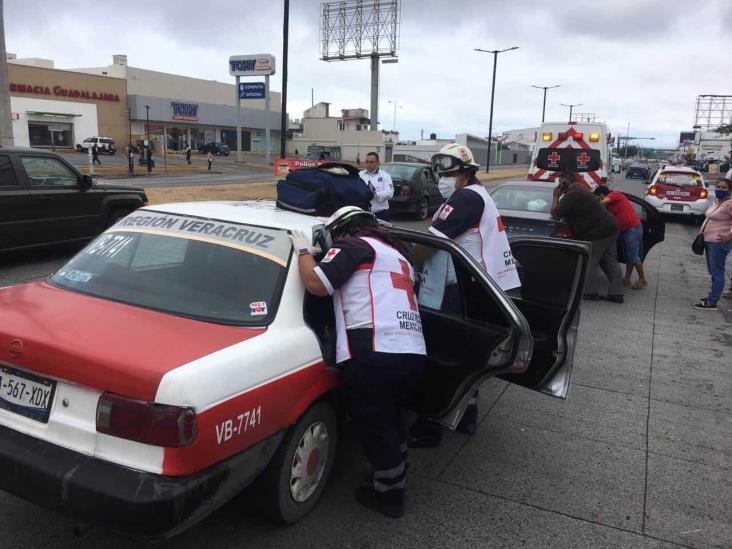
(186,110)
(52,108)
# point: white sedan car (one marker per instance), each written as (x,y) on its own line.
(178,357)
(678,190)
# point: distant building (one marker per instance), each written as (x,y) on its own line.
(526,136)
(347,137)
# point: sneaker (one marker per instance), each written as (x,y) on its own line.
(368,497)
(615,298)
(704,305)
(640,284)
(591,297)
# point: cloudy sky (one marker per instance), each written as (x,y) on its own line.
(637,61)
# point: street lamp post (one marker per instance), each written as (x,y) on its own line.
(493,92)
(572,106)
(393,126)
(130,154)
(147,134)
(543,107)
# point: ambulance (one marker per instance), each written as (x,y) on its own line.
(591,138)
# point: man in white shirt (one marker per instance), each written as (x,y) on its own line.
(381,183)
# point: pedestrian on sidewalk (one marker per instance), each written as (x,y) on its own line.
(188,154)
(210,160)
(297,153)
(717,231)
(631,232)
(95,155)
(590,221)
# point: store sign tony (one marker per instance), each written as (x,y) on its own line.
(252,65)
(184,111)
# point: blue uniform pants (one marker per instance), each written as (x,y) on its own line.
(376,386)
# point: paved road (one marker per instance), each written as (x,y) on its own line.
(639,455)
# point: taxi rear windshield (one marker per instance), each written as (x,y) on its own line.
(679,179)
(201,269)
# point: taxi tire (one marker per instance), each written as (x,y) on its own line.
(274,484)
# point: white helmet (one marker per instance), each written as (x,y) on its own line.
(345,215)
(453,157)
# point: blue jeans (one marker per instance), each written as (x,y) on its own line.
(632,240)
(716,256)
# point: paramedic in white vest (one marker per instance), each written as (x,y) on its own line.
(470,217)
(379,341)
(381,183)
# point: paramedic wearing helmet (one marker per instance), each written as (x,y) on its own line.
(379,340)
(470,217)
(381,183)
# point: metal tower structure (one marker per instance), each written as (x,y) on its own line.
(360,29)
(712,111)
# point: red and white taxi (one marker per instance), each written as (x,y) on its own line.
(177,358)
(678,190)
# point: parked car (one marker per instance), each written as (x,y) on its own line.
(215,148)
(637,170)
(525,209)
(678,190)
(104,144)
(415,188)
(45,200)
(213,366)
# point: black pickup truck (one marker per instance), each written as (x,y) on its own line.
(45,200)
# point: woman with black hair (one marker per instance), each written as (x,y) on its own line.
(379,340)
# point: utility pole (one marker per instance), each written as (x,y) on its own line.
(147,133)
(6,124)
(543,107)
(493,93)
(285,40)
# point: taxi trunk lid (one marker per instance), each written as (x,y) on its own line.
(102,344)
(683,193)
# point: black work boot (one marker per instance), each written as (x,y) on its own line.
(389,503)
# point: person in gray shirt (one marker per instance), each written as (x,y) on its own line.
(590,221)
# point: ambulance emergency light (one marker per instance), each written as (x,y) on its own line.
(594,137)
(546,136)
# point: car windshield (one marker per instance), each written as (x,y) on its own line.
(198,268)
(399,171)
(523,198)
(679,179)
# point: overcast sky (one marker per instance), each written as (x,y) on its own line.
(637,61)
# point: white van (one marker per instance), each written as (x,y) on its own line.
(590,136)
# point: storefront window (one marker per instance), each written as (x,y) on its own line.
(55,134)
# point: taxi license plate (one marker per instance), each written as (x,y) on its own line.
(26,394)
(677,207)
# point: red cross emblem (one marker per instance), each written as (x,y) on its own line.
(554,159)
(583,159)
(403,281)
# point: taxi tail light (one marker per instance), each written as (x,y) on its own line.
(146,422)
(703,193)
(546,136)
(652,190)
(405,191)
(562,230)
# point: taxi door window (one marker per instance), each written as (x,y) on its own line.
(436,280)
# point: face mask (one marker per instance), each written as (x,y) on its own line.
(721,194)
(447,186)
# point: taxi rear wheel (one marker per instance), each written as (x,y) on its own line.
(299,470)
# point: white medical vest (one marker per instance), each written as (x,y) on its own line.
(389,285)
(488,243)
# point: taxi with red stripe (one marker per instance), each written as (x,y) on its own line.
(177,359)
(678,190)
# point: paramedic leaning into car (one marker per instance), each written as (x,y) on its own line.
(470,217)
(381,183)
(379,340)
